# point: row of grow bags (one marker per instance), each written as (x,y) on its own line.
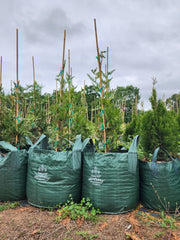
(110,180)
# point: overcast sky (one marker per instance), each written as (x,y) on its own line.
(143,37)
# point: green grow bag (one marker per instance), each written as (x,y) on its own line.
(53,176)
(13,172)
(160,183)
(111,180)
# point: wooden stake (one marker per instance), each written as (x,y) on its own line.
(69,73)
(48,110)
(92,114)
(136,105)
(62,74)
(0,84)
(100,77)
(34,81)
(56,90)
(84,88)
(17,85)
(69,68)
(177,107)
(85,99)
(107,66)
(33,70)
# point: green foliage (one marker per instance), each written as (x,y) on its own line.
(113,114)
(8,205)
(86,235)
(173,103)
(132,128)
(159,127)
(156,127)
(168,221)
(158,234)
(76,211)
(127,98)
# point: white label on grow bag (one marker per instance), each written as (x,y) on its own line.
(42,174)
(95,178)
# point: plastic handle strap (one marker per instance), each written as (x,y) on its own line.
(154,161)
(132,155)
(43,140)
(28,141)
(76,153)
(91,148)
(86,141)
(8,146)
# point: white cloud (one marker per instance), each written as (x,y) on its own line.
(143,37)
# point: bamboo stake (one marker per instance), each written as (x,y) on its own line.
(177,107)
(25,108)
(69,68)
(136,105)
(56,90)
(33,71)
(85,99)
(124,109)
(17,86)
(34,81)
(92,114)
(12,96)
(48,110)
(62,75)
(69,73)
(84,88)
(0,84)
(107,66)
(100,76)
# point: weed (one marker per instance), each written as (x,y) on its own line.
(8,205)
(158,234)
(50,213)
(75,211)
(87,235)
(167,221)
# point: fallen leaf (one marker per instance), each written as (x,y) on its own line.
(115,218)
(175,236)
(36,231)
(132,236)
(102,226)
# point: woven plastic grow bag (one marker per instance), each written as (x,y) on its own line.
(53,176)
(13,172)
(160,183)
(111,180)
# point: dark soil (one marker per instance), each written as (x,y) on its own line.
(28,222)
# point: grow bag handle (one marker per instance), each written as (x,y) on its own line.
(154,160)
(43,140)
(132,155)
(85,142)
(8,146)
(134,144)
(28,141)
(76,152)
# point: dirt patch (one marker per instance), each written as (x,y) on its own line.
(28,222)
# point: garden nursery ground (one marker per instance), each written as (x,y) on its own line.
(27,222)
